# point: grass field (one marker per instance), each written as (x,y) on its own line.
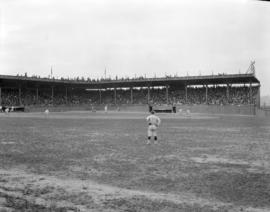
(83,161)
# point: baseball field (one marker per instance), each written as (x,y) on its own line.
(85,161)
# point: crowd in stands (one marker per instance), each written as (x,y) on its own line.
(88,79)
(217,95)
(10,98)
(104,78)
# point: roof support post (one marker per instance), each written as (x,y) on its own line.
(250,93)
(148,95)
(131,95)
(115,96)
(36,95)
(70,95)
(167,94)
(228,92)
(99,96)
(66,95)
(186,93)
(52,94)
(258,98)
(206,94)
(20,95)
(0,96)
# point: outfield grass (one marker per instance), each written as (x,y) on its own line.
(83,161)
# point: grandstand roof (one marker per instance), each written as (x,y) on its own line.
(15,81)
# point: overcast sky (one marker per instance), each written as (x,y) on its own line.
(128,37)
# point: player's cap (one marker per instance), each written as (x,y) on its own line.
(153,112)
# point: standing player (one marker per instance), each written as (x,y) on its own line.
(93,109)
(153,123)
(46,112)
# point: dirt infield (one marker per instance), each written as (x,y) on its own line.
(84,161)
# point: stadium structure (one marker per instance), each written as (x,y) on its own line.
(222,93)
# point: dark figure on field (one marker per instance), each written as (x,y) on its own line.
(153,123)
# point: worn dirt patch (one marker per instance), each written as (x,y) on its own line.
(21,190)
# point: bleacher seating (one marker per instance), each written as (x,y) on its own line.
(195,95)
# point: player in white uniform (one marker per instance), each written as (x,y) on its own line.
(7,110)
(46,112)
(153,123)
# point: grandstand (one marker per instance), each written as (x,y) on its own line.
(226,90)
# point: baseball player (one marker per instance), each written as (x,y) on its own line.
(153,123)
(7,110)
(46,112)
